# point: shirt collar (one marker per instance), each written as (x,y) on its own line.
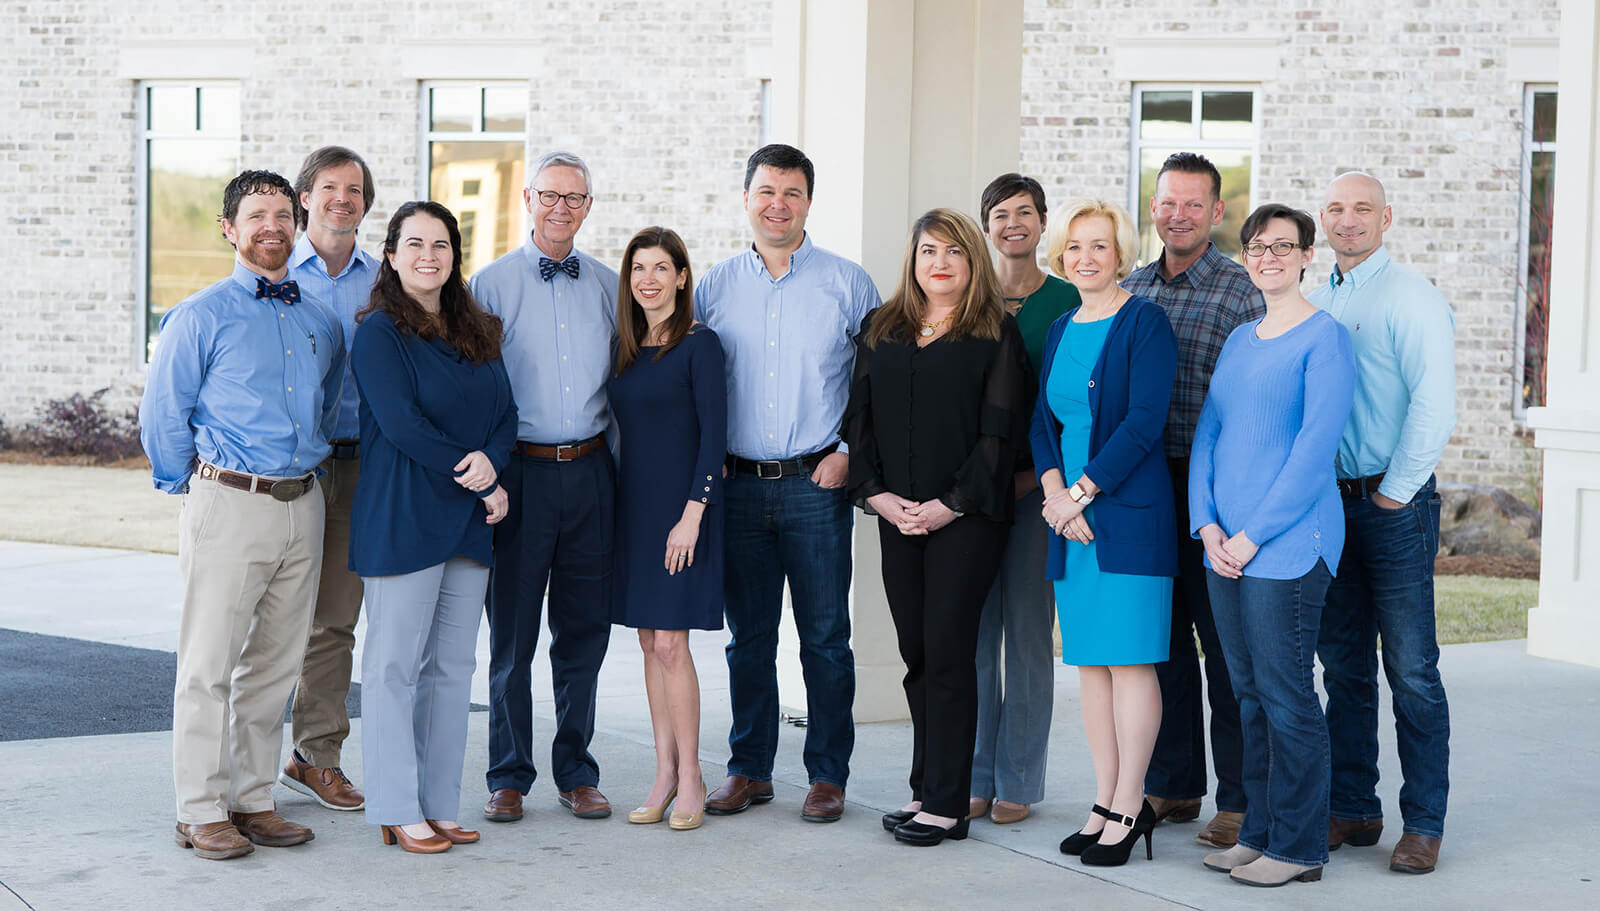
(303,251)
(1198,272)
(1363,273)
(796,259)
(246,277)
(532,251)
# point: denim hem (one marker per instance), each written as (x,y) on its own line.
(1033,802)
(1356,817)
(591,783)
(1426,833)
(822,778)
(753,777)
(1294,860)
(512,783)
(1199,796)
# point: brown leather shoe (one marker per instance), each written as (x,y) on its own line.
(1222,831)
(1415,854)
(1186,810)
(456,835)
(824,803)
(1005,812)
(270,830)
(213,840)
(328,786)
(586,802)
(737,794)
(1358,833)
(505,805)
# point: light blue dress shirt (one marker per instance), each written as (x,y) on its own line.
(346,293)
(246,384)
(1405,403)
(788,344)
(558,342)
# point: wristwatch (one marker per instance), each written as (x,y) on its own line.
(1079,495)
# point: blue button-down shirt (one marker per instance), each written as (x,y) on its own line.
(346,293)
(246,384)
(558,342)
(1405,404)
(788,345)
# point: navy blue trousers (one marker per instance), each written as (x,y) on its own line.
(559,536)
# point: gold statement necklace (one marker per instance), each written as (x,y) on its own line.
(928,329)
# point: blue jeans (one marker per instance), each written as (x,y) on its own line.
(1385,588)
(1268,629)
(1014,716)
(1178,764)
(789,529)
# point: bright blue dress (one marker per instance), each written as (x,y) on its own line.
(1106,618)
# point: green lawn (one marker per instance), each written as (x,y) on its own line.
(1482,609)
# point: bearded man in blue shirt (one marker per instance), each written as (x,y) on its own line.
(1403,334)
(240,400)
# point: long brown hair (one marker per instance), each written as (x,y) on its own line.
(982,308)
(631,323)
(470,329)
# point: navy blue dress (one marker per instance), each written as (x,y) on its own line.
(672,419)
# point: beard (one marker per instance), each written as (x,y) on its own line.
(264,259)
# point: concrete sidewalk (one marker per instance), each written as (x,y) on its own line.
(88,820)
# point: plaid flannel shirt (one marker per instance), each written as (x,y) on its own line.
(1205,303)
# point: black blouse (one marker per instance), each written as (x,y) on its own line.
(945,421)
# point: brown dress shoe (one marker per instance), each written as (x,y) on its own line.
(213,840)
(1186,810)
(454,834)
(1222,831)
(824,803)
(328,786)
(1415,854)
(736,795)
(978,807)
(1358,833)
(505,805)
(269,829)
(1005,812)
(430,844)
(586,802)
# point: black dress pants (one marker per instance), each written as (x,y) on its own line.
(936,585)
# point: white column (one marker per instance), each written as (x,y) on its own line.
(1566,624)
(902,105)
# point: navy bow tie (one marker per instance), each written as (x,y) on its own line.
(288,292)
(548,267)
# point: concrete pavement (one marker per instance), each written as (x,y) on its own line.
(86,822)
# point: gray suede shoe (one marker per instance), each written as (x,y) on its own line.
(1236,856)
(1264,871)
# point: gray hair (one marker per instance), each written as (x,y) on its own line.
(561,159)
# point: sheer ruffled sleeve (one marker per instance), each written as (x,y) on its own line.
(866,463)
(984,482)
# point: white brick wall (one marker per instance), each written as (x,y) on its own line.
(1415,91)
(658,97)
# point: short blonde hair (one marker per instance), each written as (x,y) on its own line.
(1125,235)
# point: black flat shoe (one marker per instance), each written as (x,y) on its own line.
(1075,843)
(1115,855)
(924,835)
(896,818)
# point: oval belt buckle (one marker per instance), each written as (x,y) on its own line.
(287,490)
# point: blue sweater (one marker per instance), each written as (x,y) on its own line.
(423,408)
(1130,388)
(1265,445)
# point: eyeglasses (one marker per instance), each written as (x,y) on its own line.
(1281,248)
(547,198)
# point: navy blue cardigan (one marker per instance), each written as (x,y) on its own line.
(423,408)
(1135,529)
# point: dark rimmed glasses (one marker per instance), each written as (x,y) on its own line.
(547,198)
(1281,248)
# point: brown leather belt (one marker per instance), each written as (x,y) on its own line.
(773,469)
(560,452)
(1360,488)
(284,490)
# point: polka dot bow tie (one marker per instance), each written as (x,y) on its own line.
(548,267)
(288,292)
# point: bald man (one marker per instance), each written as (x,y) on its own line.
(1403,333)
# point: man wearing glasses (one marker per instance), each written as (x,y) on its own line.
(559,310)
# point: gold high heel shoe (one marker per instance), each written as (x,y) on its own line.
(683,822)
(648,814)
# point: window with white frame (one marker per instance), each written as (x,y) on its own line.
(1217,121)
(188,152)
(474,151)
(1533,272)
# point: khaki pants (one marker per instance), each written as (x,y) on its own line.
(321,722)
(250,565)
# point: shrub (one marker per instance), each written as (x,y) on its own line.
(81,425)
